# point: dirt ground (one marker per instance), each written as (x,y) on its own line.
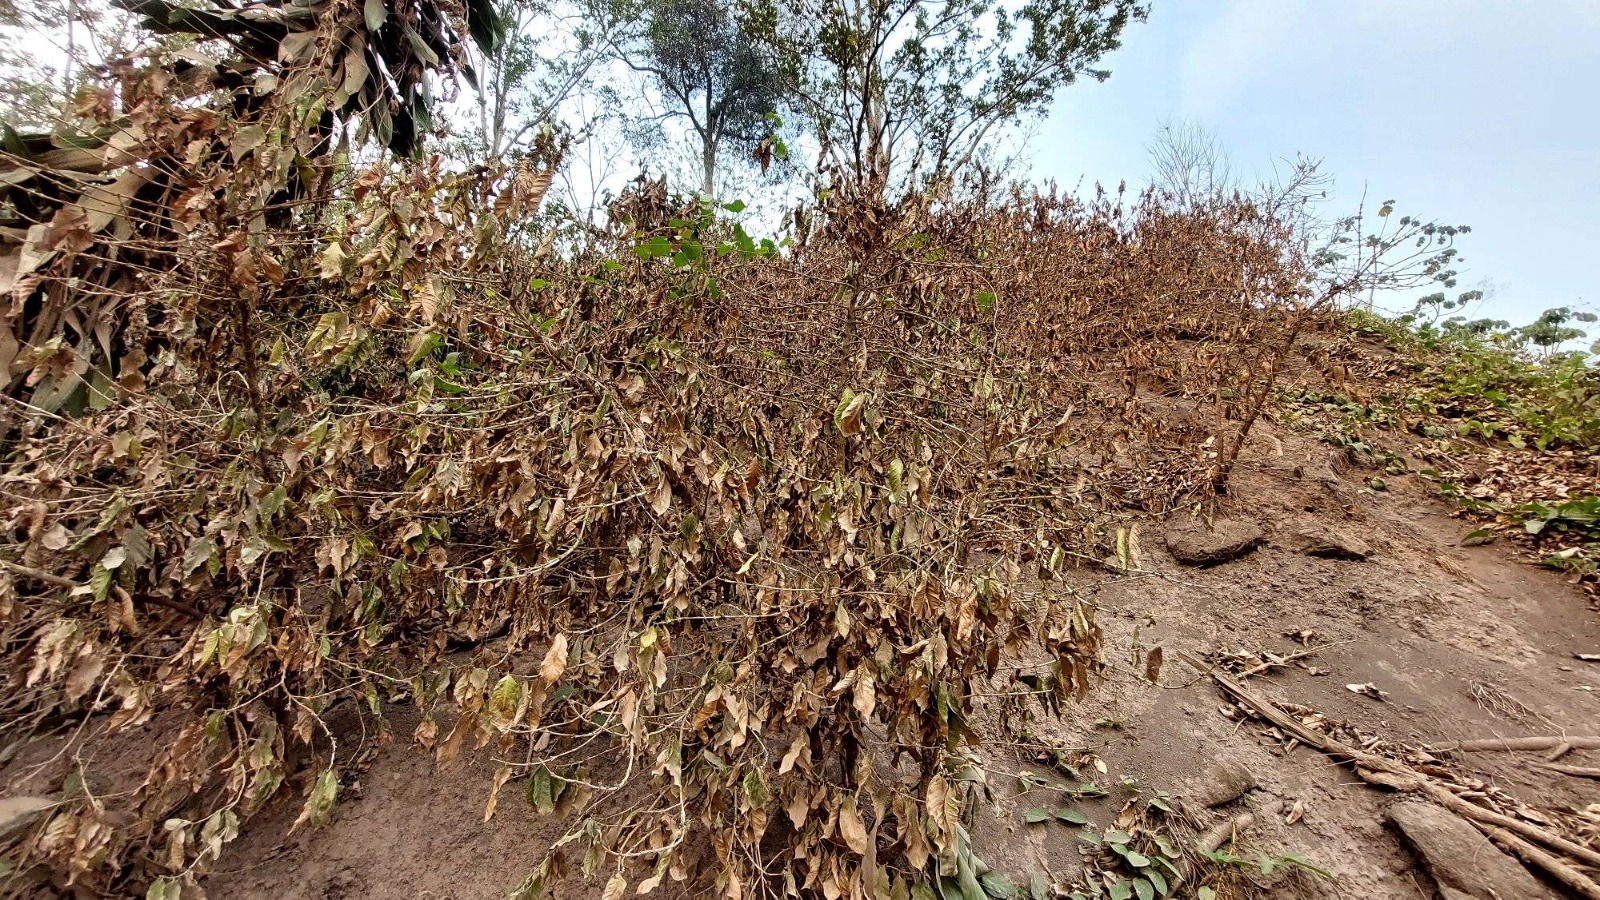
(1465,642)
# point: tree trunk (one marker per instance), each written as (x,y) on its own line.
(708,159)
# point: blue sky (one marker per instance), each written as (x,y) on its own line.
(1465,111)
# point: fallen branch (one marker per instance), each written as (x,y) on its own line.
(1220,833)
(59,581)
(1489,745)
(1576,771)
(1385,772)
(1283,661)
(38,574)
(1581,884)
(1417,783)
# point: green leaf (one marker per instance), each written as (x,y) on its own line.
(505,702)
(736,206)
(422,345)
(1121,890)
(1144,889)
(1205,893)
(997,885)
(540,793)
(1159,880)
(1071,816)
(1036,815)
(755,789)
(1137,860)
(656,246)
(323,795)
(1038,887)
(985,300)
(100,581)
(164,888)
(375,14)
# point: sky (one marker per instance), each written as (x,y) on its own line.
(1477,112)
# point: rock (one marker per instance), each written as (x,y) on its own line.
(1197,545)
(1461,860)
(1331,543)
(1224,782)
(17,813)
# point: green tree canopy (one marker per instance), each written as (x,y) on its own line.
(901,92)
(713,76)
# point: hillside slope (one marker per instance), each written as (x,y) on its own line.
(1463,642)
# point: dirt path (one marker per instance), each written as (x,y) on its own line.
(1466,642)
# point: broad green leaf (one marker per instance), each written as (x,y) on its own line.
(997,886)
(100,581)
(323,796)
(755,789)
(506,702)
(375,14)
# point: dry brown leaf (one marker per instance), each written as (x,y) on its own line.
(501,776)
(851,827)
(1152,665)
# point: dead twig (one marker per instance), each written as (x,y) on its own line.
(1576,771)
(59,581)
(1490,745)
(37,574)
(1285,660)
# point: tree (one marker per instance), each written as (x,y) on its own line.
(712,75)
(1188,164)
(549,50)
(905,92)
(37,88)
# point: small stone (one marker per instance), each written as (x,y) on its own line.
(1461,860)
(1330,543)
(1197,545)
(17,813)
(1224,782)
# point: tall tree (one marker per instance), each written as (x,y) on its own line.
(902,92)
(549,51)
(46,46)
(712,75)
